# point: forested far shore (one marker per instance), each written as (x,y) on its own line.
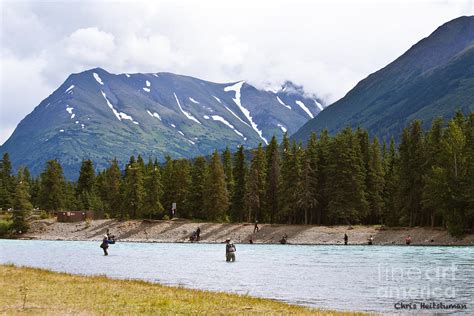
(349,178)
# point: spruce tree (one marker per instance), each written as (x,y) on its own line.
(182,179)
(197,188)
(7,183)
(153,192)
(390,215)
(285,186)
(307,199)
(255,197)
(112,190)
(216,202)
(21,204)
(433,151)
(322,171)
(229,178)
(34,192)
(272,182)
(71,202)
(134,191)
(141,164)
(52,187)
(412,162)
(375,183)
(290,188)
(347,197)
(467,183)
(240,171)
(169,185)
(85,184)
(453,145)
(306,195)
(364,144)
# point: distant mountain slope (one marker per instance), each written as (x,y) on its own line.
(433,78)
(99,115)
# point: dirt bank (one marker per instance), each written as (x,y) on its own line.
(179,231)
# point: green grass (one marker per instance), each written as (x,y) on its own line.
(36,291)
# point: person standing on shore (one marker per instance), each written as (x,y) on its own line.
(371,240)
(105,245)
(408,240)
(255,228)
(346,239)
(198,234)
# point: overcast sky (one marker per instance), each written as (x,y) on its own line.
(326,46)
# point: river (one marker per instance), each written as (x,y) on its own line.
(356,278)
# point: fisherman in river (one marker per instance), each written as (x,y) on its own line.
(346,239)
(110,237)
(105,244)
(229,251)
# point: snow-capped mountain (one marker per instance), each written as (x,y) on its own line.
(101,116)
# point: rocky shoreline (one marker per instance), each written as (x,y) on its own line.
(181,230)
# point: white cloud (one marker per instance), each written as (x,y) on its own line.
(21,88)
(88,45)
(326,46)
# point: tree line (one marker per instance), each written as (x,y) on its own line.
(349,178)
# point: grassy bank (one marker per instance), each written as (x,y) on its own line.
(36,291)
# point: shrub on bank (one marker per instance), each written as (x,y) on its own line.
(5,227)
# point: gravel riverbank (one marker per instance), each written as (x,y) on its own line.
(180,230)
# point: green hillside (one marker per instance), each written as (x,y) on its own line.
(432,79)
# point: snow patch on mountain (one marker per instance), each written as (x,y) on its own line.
(232,112)
(283,103)
(69,109)
(187,114)
(206,117)
(154,114)
(319,105)
(181,133)
(69,89)
(236,88)
(119,115)
(218,100)
(224,121)
(304,108)
(283,128)
(97,78)
(148,84)
(146,89)
(193,101)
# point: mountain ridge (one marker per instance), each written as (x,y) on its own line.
(387,100)
(99,115)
